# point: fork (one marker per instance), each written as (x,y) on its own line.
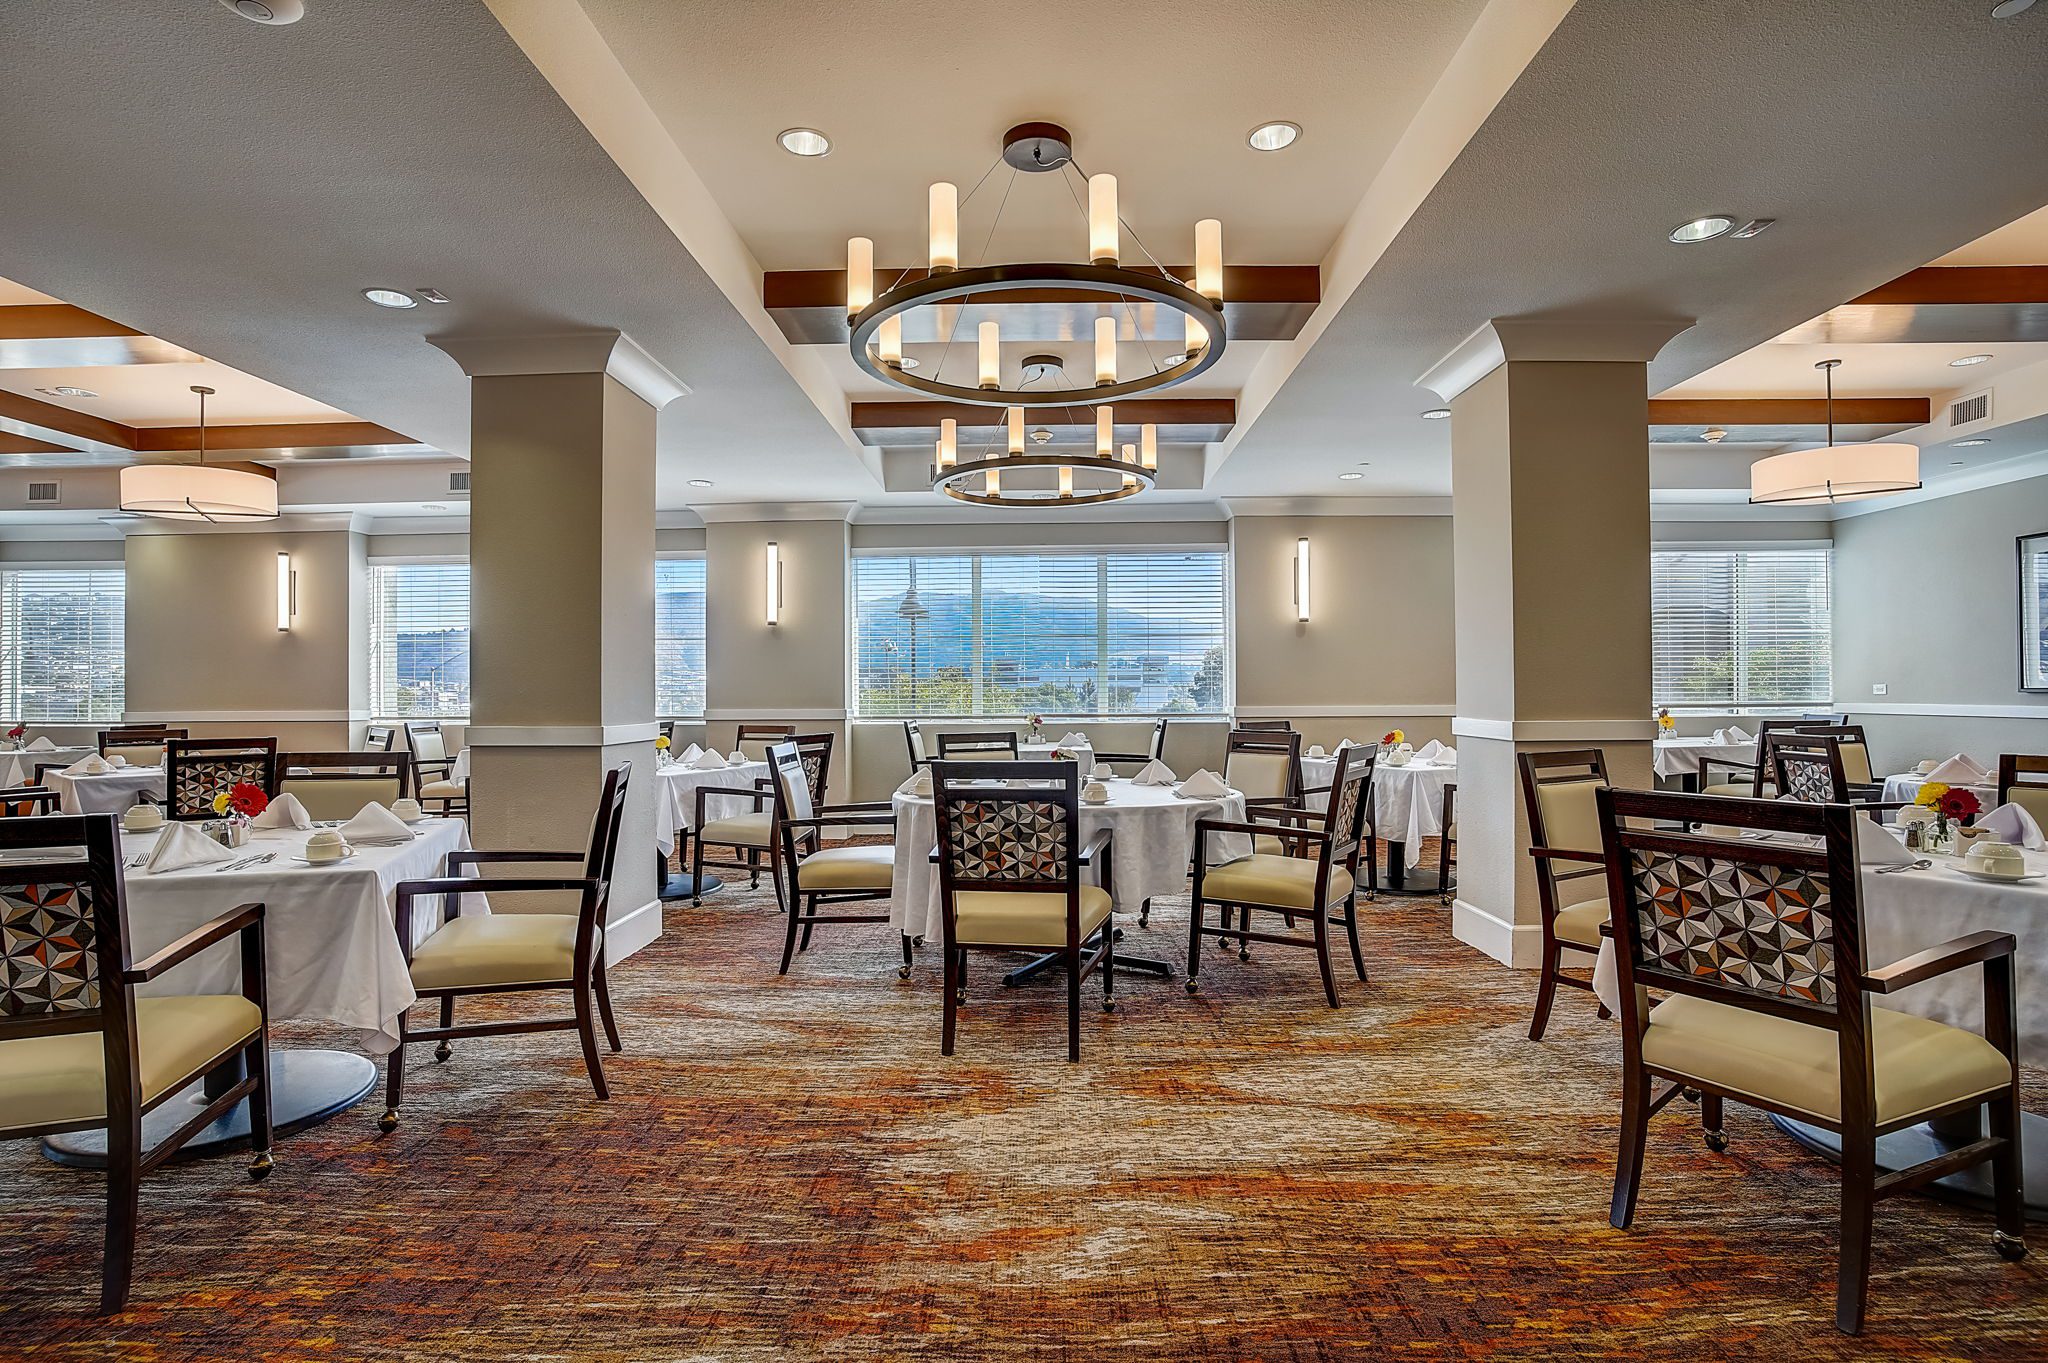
(1922,864)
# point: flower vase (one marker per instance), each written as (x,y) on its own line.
(1938,836)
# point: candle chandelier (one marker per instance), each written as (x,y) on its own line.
(1178,325)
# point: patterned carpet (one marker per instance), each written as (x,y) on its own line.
(789,1170)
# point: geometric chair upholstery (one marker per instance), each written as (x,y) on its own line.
(79,1050)
(1558,789)
(2023,780)
(1758,946)
(1819,766)
(197,770)
(809,880)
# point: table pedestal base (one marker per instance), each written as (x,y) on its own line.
(1918,1144)
(682,885)
(1144,965)
(1405,879)
(306,1088)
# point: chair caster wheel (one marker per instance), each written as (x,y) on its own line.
(1144,920)
(442,1052)
(1717,1141)
(1243,955)
(1109,1005)
(1192,986)
(917,941)
(260,1167)
(695,902)
(902,972)
(2009,1246)
(960,997)
(388,1123)
(1690,1095)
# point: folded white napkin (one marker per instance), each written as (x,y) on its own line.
(1204,785)
(1877,845)
(707,761)
(42,744)
(1722,737)
(691,753)
(117,761)
(283,812)
(2012,823)
(1737,734)
(92,764)
(1071,739)
(736,758)
(181,845)
(918,782)
(1448,757)
(1428,751)
(1316,750)
(1960,770)
(1155,773)
(375,826)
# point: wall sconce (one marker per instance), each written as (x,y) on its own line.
(1301,579)
(774,584)
(287,591)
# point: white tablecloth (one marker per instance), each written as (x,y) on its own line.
(19,768)
(1155,836)
(1407,801)
(675,793)
(329,945)
(1042,752)
(1905,787)
(1677,757)
(458,770)
(108,794)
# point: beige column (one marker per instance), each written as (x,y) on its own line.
(1551,535)
(561,557)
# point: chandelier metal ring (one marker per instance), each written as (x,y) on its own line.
(952,285)
(954,481)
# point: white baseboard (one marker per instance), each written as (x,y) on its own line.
(626,935)
(1512,944)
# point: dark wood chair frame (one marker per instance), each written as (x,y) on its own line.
(1759,771)
(1447,848)
(340,766)
(178,751)
(800,822)
(118,975)
(913,744)
(1118,759)
(28,802)
(762,794)
(2013,768)
(387,733)
(125,735)
(761,733)
(1262,724)
(1539,769)
(1336,844)
(968,746)
(1820,751)
(588,989)
(426,769)
(1848,1016)
(1057,783)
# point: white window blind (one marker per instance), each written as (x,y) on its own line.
(1741,628)
(679,637)
(1069,633)
(2034,613)
(419,639)
(61,644)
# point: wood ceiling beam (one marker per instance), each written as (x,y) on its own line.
(1941,305)
(45,321)
(1902,412)
(11,443)
(59,336)
(58,429)
(1984,285)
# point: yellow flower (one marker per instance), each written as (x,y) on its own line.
(1930,793)
(661,741)
(220,803)
(1400,737)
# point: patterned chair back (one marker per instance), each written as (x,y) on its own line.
(1808,769)
(793,798)
(1350,806)
(19,802)
(63,936)
(196,770)
(2023,780)
(1264,765)
(1009,837)
(1773,927)
(815,752)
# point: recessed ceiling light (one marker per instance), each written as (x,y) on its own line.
(391,298)
(1713,435)
(1966,361)
(1273,136)
(1970,444)
(268,11)
(1347,477)
(67,392)
(804,141)
(700,482)
(2008,9)
(1436,414)
(1701,229)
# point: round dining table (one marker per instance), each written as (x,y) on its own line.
(1407,806)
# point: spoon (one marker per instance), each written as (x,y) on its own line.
(1922,864)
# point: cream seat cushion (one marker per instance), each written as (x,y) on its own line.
(1920,1064)
(848,868)
(1579,924)
(742,830)
(46,1080)
(1284,882)
(498,948)
(444,790)
(1026,918)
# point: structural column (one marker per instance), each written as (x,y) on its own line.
(561,556)
(1551,527)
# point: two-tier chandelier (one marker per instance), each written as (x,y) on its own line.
(1178,325)
(232,491)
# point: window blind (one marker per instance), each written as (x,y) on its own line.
(2033,614)
(61,644)
(419,639)
(679,637)
(1019,633)
(1741,628)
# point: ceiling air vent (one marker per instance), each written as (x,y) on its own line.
(43,494)
(458,482)
(1975,407)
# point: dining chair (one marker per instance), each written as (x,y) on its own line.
(79,1050)
(198,770)
(1264,765)
(750,837)
(2023,780)
(1447,848)
(141,744)
(433,767)
(514,953)
(1758,947)
(1158,749)
(379,738)
(1854,750)
(1313,886)
(1813,767)
(913,739)
(1827,717)
(753,739)
(1010,859)
(808,877)
(27,801)
(1262,724)
(337,785)
(1558,790)
(988,745)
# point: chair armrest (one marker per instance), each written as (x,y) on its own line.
(413,889)
(1103,838)
(852,816)
(1204,826)
(474,857)
(1925,965)
(1565,854)
(756,795)
(235,920)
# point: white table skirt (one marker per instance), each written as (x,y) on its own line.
(19,768)
(329,945)
(1675,757)
(1407,801)
(1905,788)
(1042,752)
(458,770)
(676,788)
(1155,834)
(108,794)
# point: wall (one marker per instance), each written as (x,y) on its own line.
(1926,602)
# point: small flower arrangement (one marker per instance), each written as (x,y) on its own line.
(1950,805)
(661,743)
(1393,738)
(1037,723)
(1666,725)
(244,799)
(16,734)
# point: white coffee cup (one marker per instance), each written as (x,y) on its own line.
(326,845)
(1995,859)
(1095,793)
(1100,772)
(142,817)
(1316,750)
(1923,767)
(407,809)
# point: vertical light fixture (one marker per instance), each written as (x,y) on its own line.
(774,584)
(1016,423)
(1130,456)
(991,347)
(1129,453)
(889,341)
(1102,243)
(1066,480)
(1197,335)
(1105,431)
(1105,350)
(860,274)
(949,442)
(945,227)
(1148,446)
(287,591)
(992,482)
(1209,259)
(1301,579)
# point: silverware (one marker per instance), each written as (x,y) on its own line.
(1922,864)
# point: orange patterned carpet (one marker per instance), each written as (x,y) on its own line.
(789,1170)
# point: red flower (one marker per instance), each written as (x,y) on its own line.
(247,799)
(1957,803)
(17,731)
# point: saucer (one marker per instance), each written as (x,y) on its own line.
(1991,878)
(305,860)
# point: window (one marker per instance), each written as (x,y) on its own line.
(1740,628)
(419,639)
(679,637)
(61,636)
(1011,634)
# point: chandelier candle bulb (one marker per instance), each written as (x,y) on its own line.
(1105,431)
(1197,337)
(1209,259)
(991,355)
(992,483)
(1066,481)
(1130,482)
(1016,423)
(1148,446)
(1105,350)
(860,274)
(1130,453)
(1102,235)
(889,342)
(945,227)
(949,442)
